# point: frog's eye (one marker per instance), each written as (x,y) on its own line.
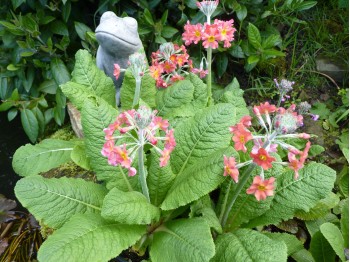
(129,21)
(107,15)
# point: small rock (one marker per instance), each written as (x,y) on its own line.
(332,67)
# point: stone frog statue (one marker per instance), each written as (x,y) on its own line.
(118,39)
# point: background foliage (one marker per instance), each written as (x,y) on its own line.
(39,40)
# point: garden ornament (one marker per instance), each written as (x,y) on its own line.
(118,39)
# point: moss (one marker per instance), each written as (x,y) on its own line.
(70,169)
(65,133)
(273,67)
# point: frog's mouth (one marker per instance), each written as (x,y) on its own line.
(103,35)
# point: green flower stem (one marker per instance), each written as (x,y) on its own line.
(137,93)
(209,59)
(142,173)
(242,181)
(225,200)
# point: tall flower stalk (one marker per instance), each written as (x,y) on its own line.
(278,124)
(122,146)
(211,34)
(138,67)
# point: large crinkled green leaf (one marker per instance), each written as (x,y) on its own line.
(89,238)
(197,180)
(76,93)
(79,156)
(97,115)
(50,153)
(313,226)
(127,91)
(249,246)
(172,101)
(54,201)
(246,207)
(204,208)
(183,98)
(320,209)
(88,74)
(129,208)
(335,238)
(220,94)
(315,183)
(293,244)
(320,249)
(200,94)
(183,240)
(202,135)
(159,179)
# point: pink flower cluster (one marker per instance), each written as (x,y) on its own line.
(210,34)
(169,64)
(277,129)
(121,145)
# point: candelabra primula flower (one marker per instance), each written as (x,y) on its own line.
(169,64)
(192,33)
(210,34)
(116,71)
(279,125)
(241,136)
(262,188)
(297,164)
(121,143)
(230,168)
(262,158)
(226,31)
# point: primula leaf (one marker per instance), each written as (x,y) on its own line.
(320,209)
(86,73)
(314,183)
(183,98)
(197,180)
(334,237)
(303,255)
(248,245)
(203,207)
(50,153)
(174,101)
(344,222)
(234,88)
(89,238)
(313,226)
(196,136)
(55,201)
(79,156)
(129,208)
(76,93)
(159,179)
(97,115)
(127,91)
(292,243)
(320,249)
(183,240)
